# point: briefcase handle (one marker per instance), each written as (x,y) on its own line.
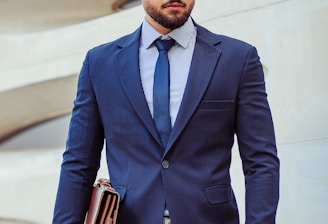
(104,182)
(104,204)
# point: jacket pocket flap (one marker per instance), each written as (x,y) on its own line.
(218,194)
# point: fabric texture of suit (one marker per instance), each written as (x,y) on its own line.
(225,95)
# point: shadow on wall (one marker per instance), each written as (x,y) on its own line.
(34,104)
(49,134)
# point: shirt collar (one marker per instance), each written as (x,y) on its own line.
(181,35)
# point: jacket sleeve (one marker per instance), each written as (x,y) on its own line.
(257,147)
(81,158)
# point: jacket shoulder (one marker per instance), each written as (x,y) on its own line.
(224,41)
(115,45)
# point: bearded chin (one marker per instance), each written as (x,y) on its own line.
(171,22)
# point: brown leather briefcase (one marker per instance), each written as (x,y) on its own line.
(104,204)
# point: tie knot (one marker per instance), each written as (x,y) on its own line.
(164,45)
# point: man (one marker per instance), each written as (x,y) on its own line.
(217,90)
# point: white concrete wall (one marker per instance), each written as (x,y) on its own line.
(291,37)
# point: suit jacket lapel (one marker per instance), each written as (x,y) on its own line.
(205,58)
(201,71)
(127,65)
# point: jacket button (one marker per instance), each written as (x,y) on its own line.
(165,164)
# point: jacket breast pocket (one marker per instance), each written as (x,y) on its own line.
(216,105)
(218,194)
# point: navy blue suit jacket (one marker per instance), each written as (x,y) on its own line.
(225,95)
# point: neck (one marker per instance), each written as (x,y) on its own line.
(161,29)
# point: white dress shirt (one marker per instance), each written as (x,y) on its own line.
(180,56)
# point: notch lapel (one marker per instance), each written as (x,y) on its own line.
(127,66)
(204,61)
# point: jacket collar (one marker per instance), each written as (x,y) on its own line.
(205,59)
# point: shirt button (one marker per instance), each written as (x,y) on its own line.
(165,164)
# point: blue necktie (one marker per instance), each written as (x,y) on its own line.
(161,91)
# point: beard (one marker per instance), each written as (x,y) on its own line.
(172,21)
